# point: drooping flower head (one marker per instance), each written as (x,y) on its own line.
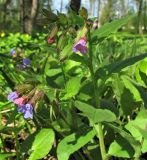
(13,53)
(51,40)
(27,110)
(80,46)
(12,96)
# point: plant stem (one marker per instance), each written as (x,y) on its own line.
(61,63)
(98,129)
(17,143)
(101,141)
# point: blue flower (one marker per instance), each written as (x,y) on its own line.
(26,61)
(27,110)
(13,52)
(12,96)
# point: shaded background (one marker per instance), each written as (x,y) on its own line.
(26,15)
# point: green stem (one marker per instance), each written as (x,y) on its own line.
(98,129)
(17,143)
(2,141)
(61,63)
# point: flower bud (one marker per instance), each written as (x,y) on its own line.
(37,96)
(23,88)
(51,40)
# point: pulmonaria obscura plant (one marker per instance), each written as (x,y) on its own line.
(79,104)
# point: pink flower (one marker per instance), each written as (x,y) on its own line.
(80,46)
(20,101)
(51,40)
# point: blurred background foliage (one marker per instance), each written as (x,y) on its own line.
(26,15)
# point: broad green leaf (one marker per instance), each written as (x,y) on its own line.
(4,156)
(95,115)
(42,144)
(111,27)
(121,148)
(135,126)
(72,87)
(117,66)
(132,88)
(53,72)
(141,72)
(73,142)
(132,141)
(69,64)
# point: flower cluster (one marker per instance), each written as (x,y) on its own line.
(18,55)
(26,102)
(25,108)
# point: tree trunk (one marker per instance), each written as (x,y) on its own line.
(75,5)
(32,18)
(21,3)
(98,12)
(28,13)
(145,16)
(5,12)
(139,17)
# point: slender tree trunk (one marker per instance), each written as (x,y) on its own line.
(98,12)
(28,13)
(21,3)
(33,15)
(139,17)
(75,5)
(5,12)
(145,16)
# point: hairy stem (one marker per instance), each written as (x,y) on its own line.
(99,129)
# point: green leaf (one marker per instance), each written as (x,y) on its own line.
(141,72)
(131,88)
(53,72)
(73,142)
(42,144)
(51,16)
(132,141)
(69,64)
(111,27)
(67,51)
(3,156)
(95,115)
(121,148)
(72,87)
(144,148)
(136,127)
(117,66)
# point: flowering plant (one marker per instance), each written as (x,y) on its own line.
(77,96)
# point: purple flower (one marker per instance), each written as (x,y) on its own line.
(13,52)
(80,46)
(27,110)
(26,61)
(12,96)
